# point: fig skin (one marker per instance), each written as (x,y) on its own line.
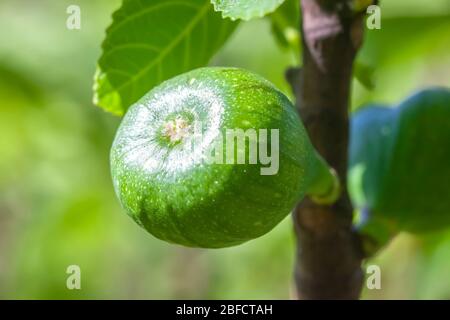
(179,199)
(399,165)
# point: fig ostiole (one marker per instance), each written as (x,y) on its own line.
(215,157)
(399,165)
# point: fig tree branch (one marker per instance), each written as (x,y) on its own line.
(328,261)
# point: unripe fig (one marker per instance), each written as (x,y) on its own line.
(178,175)
(399,167)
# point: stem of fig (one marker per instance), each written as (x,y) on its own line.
(326,187)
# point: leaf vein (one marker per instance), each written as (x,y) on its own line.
(165,51)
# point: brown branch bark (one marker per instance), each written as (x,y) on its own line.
(328,261)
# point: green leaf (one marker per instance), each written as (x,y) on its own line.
(285,25)
(245,9)
(364,74)
(150,41)
(361,5)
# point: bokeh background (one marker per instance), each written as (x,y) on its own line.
(57,205)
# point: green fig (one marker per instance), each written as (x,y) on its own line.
(182,181)
(399,165)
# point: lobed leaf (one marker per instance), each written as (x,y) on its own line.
(150,41)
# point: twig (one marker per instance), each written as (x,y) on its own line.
(328,264)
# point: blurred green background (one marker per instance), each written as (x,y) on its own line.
(57,205)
